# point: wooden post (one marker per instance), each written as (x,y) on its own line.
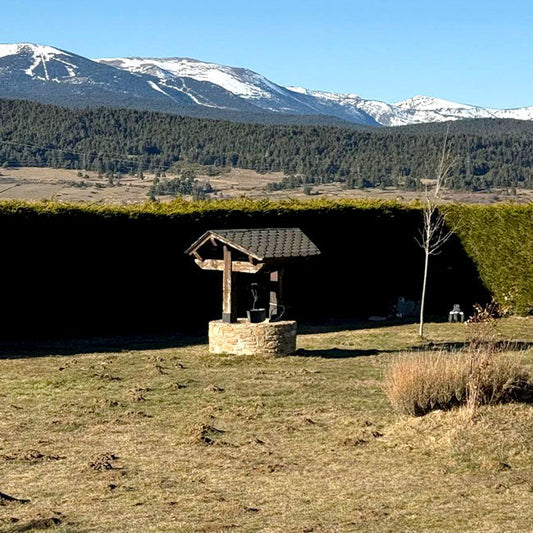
(276,278)
(229,310)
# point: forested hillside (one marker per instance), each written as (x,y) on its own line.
(488,153)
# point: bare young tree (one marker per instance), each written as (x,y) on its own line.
(434,232)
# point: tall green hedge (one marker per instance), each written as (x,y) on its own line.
(499,239)
(81,269)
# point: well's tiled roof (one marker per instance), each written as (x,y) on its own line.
(265,243)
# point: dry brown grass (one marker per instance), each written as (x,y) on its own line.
(177,440)
(417,383)
(483,372)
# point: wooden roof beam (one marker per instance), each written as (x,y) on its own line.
(236,266)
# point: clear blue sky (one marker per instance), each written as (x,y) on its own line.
(469,51)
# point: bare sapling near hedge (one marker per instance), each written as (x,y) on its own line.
(434,232)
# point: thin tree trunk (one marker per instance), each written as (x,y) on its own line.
(423,300)
(434,233)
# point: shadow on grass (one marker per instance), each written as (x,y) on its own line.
(344,353)
(501,345)
(333,326)
(125,343)
(335,353)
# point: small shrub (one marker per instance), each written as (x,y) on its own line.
(482,328)
(500,380)
(484,351)
(418,383)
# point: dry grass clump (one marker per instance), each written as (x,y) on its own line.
(417,383)
(484,373)
(494,376)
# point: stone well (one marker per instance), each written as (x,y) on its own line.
(245,338)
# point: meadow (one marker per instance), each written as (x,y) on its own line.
(157,435)
(64,185)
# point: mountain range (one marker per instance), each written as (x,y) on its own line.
(196,88)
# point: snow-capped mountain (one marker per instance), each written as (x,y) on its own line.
(38,58)
(219,86)
(417,110)
(427,109)
(240,82)
(192,87)
(183,86)
(383,113)
(51,75)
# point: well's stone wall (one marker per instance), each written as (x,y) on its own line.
(245,338)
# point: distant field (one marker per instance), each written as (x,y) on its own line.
(35,183)
(127,435)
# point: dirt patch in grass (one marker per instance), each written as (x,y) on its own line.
(30,456)
(104,461)
(36,524)
(206,434)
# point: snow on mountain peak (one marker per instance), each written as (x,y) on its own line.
(9,49)
(240,82)
(429,103)
(40,56)
(47,52)
(299,90)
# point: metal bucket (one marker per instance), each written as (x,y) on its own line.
(256,315)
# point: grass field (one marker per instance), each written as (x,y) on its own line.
(35,183)
(145,439)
